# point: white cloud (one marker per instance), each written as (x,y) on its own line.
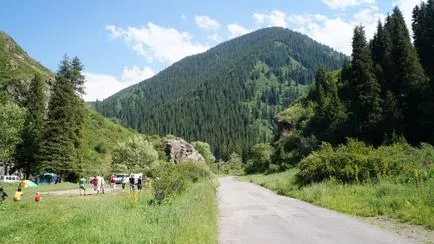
(236,30)
(167,45)
(407,6)
(205,22)
(183,17)
(101,86)
(215,37)
(113,31)
(275,18)
(337,32)
(135,74)
(343,4)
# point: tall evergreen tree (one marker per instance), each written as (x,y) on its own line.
(26,151)
(329,111)
(423,34)
(365,107)
(61,151)
(409,82)
(423,29)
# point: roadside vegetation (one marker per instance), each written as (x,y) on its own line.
(188,215)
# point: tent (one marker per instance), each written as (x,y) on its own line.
(47,179)
(29,183)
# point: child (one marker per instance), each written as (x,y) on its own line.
(38,197)
(18,196)
(3,195)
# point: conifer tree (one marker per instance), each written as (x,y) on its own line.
(61,151)
(26,151)
(365,107)
(409,82)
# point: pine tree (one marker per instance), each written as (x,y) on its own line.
(26,151)
(62,151)
(329,111)
(365,108)
(423,34)
(423,29)
(409,82)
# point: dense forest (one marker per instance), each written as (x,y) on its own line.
(227,96)
(383,95)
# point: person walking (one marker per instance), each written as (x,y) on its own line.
(113,183)
(81,185)
(94,182)
(124,182)
(102,184)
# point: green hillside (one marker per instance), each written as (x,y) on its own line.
(100,134)
(227,96)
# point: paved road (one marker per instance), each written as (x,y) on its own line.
(252,214)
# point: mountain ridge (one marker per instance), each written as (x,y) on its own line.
(237,86)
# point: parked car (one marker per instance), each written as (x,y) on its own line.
(118,178)
(9,178)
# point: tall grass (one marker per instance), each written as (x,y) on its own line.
(189,218)
(411,202)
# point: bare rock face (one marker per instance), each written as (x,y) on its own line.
(178,150)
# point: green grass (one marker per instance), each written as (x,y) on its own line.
(188,218)
(412,203)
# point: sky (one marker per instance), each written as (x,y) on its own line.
(121,43)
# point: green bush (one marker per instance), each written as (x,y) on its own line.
(172,179)
(260,158)
(357,162)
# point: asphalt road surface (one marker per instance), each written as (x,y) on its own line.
(252,214)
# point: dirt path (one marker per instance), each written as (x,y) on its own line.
(252,214)
(71,192)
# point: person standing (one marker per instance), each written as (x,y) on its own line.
(102,184)
(132,182)
(139,183)
(81,185)
(124,182)
(113,183)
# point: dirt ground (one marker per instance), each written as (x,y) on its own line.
(415,232)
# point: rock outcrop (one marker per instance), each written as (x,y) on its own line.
(178,150)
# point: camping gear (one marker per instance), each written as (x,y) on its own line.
(47,179)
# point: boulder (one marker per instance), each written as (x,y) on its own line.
(178,150)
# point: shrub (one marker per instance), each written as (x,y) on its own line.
(260,158)
(357,162)
(172,179)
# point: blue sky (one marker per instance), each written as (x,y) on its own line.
(123,42)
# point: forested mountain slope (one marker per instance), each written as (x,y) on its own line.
(227,96)
(17,70)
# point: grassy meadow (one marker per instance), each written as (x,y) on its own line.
(410,202)
(189,217)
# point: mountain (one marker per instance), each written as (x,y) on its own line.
(100,134)
(16,67)
(227,96)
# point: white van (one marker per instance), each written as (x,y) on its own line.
(9,178)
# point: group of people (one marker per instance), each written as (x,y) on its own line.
(98,183)
(134,183)
(18,196)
